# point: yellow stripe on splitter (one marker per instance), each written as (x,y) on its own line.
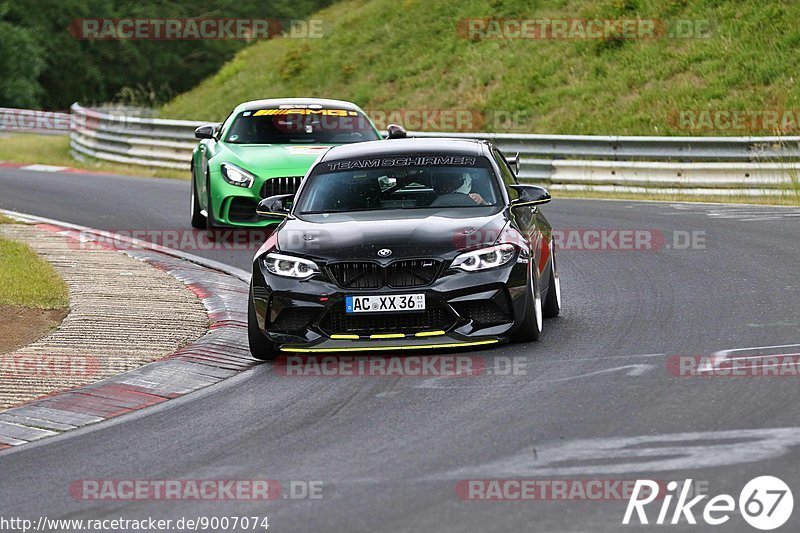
(429,333)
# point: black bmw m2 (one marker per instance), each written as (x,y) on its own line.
(404,245)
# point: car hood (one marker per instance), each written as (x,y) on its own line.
(266,159)
(440,233)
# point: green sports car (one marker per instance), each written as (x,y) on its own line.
(263,149)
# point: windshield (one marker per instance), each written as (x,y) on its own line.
(303,125)
(404,183)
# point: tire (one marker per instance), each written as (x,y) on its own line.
(198,220)
(531,327)
(552,304)
(209,209)
(210,228)
(260,348)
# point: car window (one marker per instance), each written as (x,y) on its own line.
(367,185)
(506,174)
(223,125)
(300,126)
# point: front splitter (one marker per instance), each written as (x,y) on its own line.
(370,345)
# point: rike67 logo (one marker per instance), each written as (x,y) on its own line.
(766,503)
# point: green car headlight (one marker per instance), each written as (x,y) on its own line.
(236,175)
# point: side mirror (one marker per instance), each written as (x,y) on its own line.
(275,206)
(393,131)
(530,195)
(206,131)
(513,162)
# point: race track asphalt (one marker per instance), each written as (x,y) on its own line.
(593,400)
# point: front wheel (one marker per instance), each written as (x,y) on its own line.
(260,347)
(198,220)
(531,327)
(209,209)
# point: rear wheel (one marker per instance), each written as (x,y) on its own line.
(198,220)
(531,327)
(552,304)
(260,347)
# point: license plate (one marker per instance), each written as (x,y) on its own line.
(385,304)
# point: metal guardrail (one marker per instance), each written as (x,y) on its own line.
(691,164)
(123,138)
(681,162)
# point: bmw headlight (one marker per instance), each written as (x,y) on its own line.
(236,175)
(485,258)
(290,267)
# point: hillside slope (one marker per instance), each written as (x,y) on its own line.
(402,56)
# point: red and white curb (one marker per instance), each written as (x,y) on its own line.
(221,353)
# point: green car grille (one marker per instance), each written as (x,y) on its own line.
(275,186)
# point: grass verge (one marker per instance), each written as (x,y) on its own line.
(26,280)
(417,55)
(54,150)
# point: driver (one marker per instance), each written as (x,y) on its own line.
(451,182)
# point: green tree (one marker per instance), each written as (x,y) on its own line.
(60,69)
(20,65)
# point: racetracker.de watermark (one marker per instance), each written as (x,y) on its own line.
(541,489)
(195,29)
(177,239)
(409,366)
(33,120)
(736,121)
(345,120)
(243,490)
(429,119)
(711,366)
(453,120)
(597,239)
(583,29)
(15,365)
